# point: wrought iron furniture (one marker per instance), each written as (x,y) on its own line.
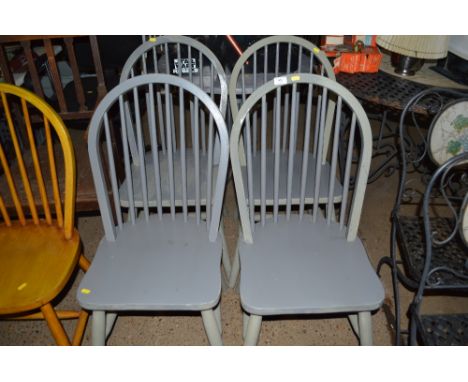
(444,265)
(384,97)
(416,168)
(40,248)
(295,262)
(157,260)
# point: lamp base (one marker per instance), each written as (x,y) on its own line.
(405,65)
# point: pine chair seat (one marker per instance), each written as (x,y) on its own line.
(40,262)
(313,270)
(162,273)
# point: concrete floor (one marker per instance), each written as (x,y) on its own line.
(183,329)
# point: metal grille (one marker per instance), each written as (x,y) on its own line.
(387,90)
(444,330)
(452,255)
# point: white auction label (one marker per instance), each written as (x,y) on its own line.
(280,80)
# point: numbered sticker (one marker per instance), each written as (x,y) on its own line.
(280,80)
(185,66)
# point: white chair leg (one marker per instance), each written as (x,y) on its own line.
(99,328)
(253,330)
(110,321)
(234,270)
(245,322)
(211,327)
(365,328)
(353,320)
(217,312)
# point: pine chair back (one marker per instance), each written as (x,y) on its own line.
(27,119)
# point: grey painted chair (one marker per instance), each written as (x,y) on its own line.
(152,259)
(164,55)
(293,262)
(268,58)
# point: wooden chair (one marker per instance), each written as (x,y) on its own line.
(292,262)
(40,248)
(169,55)
(269,58)
(157,260)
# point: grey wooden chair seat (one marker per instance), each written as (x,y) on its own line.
(162,272)
(296,180)
(299,275)
(165,189)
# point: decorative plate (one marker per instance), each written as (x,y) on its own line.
(464,221)
(448,135)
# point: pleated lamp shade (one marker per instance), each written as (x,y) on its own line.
(425,47)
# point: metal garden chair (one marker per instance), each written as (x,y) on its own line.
(186,58)
(445,263)
(424,145)
(270,58)
(294,262)
(156,260)
(39,246)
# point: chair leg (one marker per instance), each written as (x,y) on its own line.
(80,328)
(365,328)
(253,330)
(110,321)
(55,326)
(234,270)
(99,328)
(245,322)
(353,319)
(84,263)
(211,327)
(217,312)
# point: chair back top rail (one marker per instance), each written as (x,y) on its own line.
(274,47)
(351,138)
(166,178)
(167,48)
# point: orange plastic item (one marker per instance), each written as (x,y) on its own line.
(366,61)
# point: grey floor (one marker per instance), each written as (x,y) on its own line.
(168,329)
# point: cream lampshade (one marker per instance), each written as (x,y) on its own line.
(409,51)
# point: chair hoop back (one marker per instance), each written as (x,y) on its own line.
(322,88)
(275,43)
(151,50)
(173,176)
(25,114)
